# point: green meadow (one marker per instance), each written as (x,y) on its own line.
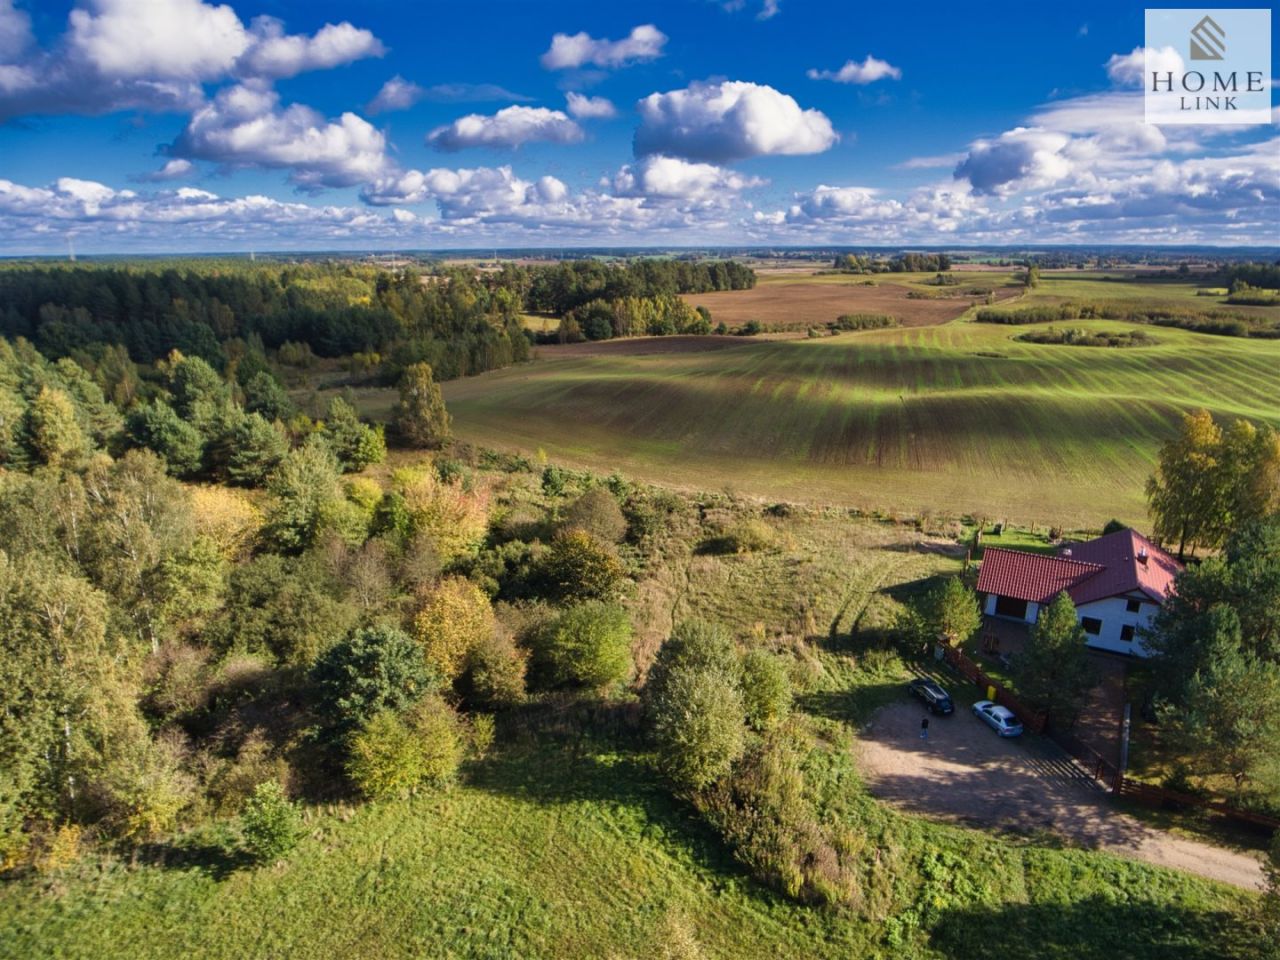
(955,418)
(575,849)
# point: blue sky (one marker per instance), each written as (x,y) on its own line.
(181,125)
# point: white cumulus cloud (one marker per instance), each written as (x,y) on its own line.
(676,179)
(868,71)
(174,169)
(153,55)
(277,54)
(508,128)
(396,94)
(580,49)
(15,31)
(195,217)
(245,126)
(1128,69)
(1021,158)
(590,108)
(730,120)
(173,39)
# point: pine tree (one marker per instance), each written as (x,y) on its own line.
(420,418)
(1054,670)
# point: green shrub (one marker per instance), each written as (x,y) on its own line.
(494,677)
(598,513)
(356,445)
(696,644)
(751,535)
(694,704)
(395,753)
(589,645)
(580,567)
(766,689)
(372,669)
(864,321)
(440,737)
(386,759)
(697,725)
(271,824)
(770,815)
(553,481)
(483,729)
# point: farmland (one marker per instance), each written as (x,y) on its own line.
(797,302)
(951,418)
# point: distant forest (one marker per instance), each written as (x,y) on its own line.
(906,263)
(460,320)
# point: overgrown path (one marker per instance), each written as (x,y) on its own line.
(964,772)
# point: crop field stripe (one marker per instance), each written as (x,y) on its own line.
(1046,427)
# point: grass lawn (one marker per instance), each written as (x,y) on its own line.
(1017,538)
(573,849)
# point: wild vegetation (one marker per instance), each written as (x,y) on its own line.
(1208,320)
(1080,337)
(1216,690)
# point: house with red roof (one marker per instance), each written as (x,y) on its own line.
(1118,582)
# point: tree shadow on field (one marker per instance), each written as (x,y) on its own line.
(914,589)
(607,777)
(218,858)
(1096,929)
(852,705)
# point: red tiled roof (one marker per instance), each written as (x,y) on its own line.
(1120,553)
(1106,567)
(1030,576)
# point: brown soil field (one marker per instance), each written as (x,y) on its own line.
(801,305)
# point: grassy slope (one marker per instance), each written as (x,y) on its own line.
(567,847)
(565,853)
(909,419)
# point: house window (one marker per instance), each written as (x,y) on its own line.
(1011,607)
(1126,633)
(1092,625)
(1132,606)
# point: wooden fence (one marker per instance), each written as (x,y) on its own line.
(1032,720)
(1152,796)
(1093,762)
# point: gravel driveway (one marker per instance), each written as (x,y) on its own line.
(965,773)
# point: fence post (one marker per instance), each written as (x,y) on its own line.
(1124,739)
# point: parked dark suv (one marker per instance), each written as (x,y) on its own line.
(934,697)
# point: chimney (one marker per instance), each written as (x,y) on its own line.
(1066,551)
(1142,556)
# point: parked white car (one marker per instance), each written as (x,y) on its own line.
(998,718)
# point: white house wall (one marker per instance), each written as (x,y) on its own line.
(1033,610)
(1114,617)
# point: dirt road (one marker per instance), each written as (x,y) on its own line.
(964,772)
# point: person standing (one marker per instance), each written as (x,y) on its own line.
(924,728)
